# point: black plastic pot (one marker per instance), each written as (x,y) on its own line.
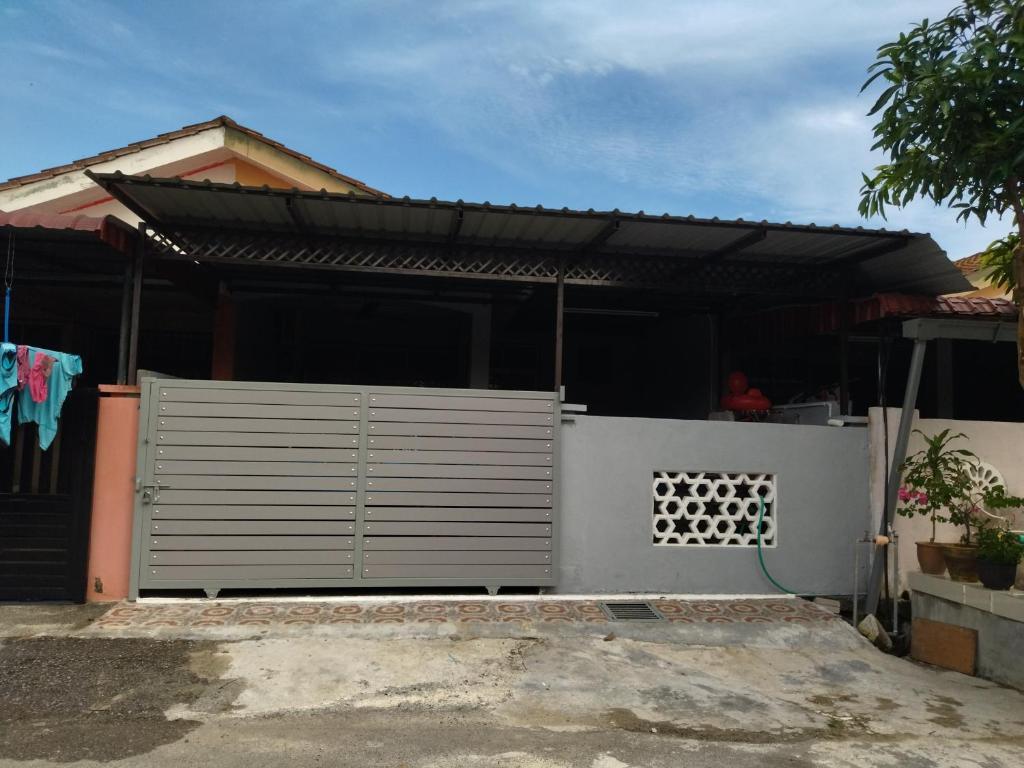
(996,575)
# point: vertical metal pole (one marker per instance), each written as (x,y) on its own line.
(844,358)
(899,455)
(944,378)
(559,323)
(894,542)
(126,318)
(856,579)
(133,333)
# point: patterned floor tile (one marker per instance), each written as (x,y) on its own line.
(465,612)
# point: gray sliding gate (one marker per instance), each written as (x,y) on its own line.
(260,485)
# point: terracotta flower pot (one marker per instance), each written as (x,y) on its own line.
(962,561)
(996,575)
(930,558)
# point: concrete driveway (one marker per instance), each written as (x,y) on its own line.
(447,683)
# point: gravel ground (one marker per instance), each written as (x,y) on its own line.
(70,699)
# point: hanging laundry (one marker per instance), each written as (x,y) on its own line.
(23,366)
(50,378)
(39,376)
(8,388)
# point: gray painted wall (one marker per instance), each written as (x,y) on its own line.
(606,505)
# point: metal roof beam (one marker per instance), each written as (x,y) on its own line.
(925,328)
(601,237)
(861,255)
(291,205)
(458,216)
(752,237)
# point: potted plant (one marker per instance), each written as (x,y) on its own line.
(999,552)
(936,482)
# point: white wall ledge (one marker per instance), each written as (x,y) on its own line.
(1006,604)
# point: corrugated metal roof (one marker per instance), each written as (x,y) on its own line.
(878,260)
(223,121)
(108,229)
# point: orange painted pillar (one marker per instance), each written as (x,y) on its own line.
(113,495)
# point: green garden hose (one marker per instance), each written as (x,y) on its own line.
(760,554)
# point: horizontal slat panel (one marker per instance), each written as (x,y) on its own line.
(459,514)
(460,457)
(293,468)
(250,512)
(219,573)
(214,424)
(258,557)
(462,402)
(161,543)
(254,411)
(266,396)
(456,529)
(471,485)
(452,557)
(278,528)
(539,572)
(416,499)
(456,542)
(241,557)
(246,439)
(458,470)
(241,453)
(247,482)
(460,444)
(459,430)
(315,498)
(423,416)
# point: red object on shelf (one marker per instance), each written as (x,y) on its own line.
(740,398)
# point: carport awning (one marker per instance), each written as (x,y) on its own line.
(609,247)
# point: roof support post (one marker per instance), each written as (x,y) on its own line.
(126,319)
(136,306)
(559,322)
(892,488)
(844,357)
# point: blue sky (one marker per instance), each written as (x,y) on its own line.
(727,108)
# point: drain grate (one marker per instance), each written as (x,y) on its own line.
(631,612)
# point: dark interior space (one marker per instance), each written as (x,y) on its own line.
(626,353)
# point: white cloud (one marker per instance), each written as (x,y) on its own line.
(752,101)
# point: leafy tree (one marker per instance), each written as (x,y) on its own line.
(951,122)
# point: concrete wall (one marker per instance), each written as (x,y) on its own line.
(605,544)
(998,443)
(999,638)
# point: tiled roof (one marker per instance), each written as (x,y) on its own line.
(189,130)
(969,264)
(905,305)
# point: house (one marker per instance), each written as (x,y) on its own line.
(304,382)
(980,277)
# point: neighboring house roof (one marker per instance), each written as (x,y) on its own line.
(904,305)
(222,121)
(969,264)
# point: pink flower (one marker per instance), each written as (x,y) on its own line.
(904,494)
(922,498)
